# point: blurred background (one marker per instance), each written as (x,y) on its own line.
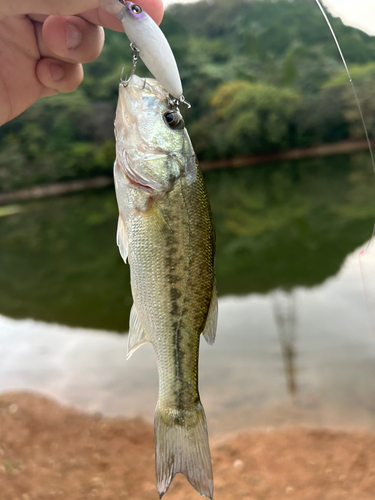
(294,347)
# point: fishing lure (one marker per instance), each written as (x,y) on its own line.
(148,40)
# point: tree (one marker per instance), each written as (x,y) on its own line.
(256,116)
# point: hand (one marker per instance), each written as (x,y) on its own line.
(43,44)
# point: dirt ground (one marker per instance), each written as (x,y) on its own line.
(52,452)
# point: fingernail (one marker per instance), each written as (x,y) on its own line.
(56,71)
(73,36)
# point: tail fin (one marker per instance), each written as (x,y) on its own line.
(181,445)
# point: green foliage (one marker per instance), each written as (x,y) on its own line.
(256,115)
(363,77)
(275,60)
(320,118)
(289,69)
(358,72)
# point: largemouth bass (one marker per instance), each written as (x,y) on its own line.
(165,230)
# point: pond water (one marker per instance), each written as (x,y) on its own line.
(294,343)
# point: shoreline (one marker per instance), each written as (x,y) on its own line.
(74,186)
(51,451)
(342,147)
(55,189)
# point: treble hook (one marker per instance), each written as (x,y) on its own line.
(178,101)
(135,57)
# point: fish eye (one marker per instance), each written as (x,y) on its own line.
(174,120)
(137,9)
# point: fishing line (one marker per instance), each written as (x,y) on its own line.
(351,82)
(366,256)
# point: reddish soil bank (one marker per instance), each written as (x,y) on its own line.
(52,452)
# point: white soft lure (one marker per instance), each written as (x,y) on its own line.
(154,49)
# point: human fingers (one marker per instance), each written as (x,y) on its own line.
(154,8)
(89,9)
(47,7)
(100,18)
(58,75)
(70,38)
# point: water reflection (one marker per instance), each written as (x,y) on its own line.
(293,344)
(278,227)
(242,380)
(285,311)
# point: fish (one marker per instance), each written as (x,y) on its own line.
(154,49)
(166,232)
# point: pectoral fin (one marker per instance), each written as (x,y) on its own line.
(137,337)
(209,331)
(122,239)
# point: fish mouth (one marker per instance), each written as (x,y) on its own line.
(137,95)
(141,85)
(141,99)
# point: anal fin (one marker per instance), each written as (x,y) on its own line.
(209,332)
(137,337)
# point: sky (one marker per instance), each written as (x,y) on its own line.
(357,13)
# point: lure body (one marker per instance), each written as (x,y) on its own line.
(153,47)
